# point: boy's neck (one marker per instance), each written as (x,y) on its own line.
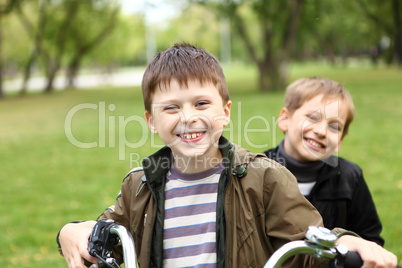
(303,171)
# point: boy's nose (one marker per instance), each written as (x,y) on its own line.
(189,116)
(320,129)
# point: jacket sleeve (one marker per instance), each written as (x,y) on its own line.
(363,218)
(288,214)
(120,211)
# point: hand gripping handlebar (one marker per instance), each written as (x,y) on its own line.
(321,244)
(105,235)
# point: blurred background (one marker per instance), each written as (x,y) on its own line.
(71,110)
(64,38)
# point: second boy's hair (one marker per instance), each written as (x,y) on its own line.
(305,89)
(182,62)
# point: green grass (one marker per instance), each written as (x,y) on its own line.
(46,181)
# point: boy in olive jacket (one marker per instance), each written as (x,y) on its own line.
(202,201)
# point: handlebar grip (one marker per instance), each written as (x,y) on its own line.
(353,260)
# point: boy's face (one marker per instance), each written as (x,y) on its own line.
(314,131)
(189,120)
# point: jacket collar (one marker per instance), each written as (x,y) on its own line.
(331,168)
(158,164)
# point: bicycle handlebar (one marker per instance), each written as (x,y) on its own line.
(353,260)
(128,247)
(297,247)
(322,246)
(339,256)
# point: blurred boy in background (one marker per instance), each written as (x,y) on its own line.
(315,119)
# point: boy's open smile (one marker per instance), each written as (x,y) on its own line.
(191,137)
(314,144)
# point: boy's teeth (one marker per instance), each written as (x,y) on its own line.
(314,143)
(191,136)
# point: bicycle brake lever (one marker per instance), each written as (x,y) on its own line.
(101,241)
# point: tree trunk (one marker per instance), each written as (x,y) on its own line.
(270,77)
(398,31)
(27,73)
(72,71)
(264,79)
(1,59)
(82,48)
(49,83)
(53,68)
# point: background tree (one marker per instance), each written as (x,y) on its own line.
(65,31)
(333,30)
(99,18)
(195,25)
(6,6)
(124,47)
(48,35)
(270,35)
(268,30)
(386,16)
(34,31)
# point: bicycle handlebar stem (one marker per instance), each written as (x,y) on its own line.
(127,241)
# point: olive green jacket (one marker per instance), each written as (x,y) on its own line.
(259,208)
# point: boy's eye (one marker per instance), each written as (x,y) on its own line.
(171,108)
(201,103)
(335,126)
(313,117)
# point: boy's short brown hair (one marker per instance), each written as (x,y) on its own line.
(305,89)
(182,62)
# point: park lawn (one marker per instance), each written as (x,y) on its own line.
(47,178)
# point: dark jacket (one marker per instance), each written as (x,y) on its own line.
(257,212)
(343,199)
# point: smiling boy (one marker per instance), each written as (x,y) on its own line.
(190,119)
(315,119)
(202,201)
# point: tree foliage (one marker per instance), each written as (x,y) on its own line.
(99,18)
(65,31)
(125,46)
(276,32)
(268,30)
(385,18)
(195,25)
(70,34)
(6,6)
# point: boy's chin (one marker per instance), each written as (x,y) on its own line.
(316,156)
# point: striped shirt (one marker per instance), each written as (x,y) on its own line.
(189,235)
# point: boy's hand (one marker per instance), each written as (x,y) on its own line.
(371,253)
(74,243)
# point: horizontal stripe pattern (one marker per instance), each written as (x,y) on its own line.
(210,262)
(189,237)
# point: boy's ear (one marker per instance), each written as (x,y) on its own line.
(283,119)
(339,146)
(226,109)
(150,121)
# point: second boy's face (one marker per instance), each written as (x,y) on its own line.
(314,131)
(190,121)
